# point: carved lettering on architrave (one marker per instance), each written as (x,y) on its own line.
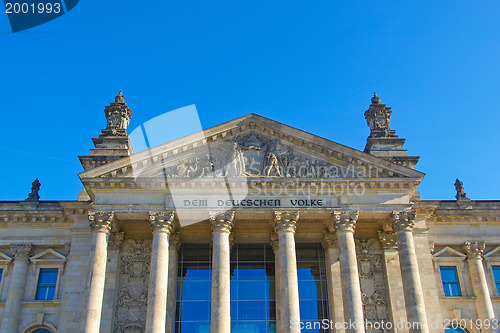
(130,312)
(373,282)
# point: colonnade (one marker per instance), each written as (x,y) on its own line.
(161,298)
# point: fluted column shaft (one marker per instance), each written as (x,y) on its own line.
(161,224)
(221,224)
(175,243)
(15,294)
(484,305)
(403,223)
(277,285)
(285,224)
(344,223)
(101,224)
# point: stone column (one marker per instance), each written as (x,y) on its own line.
(344,223)
(403,223)
(285,224)
(101,224)
(156,314)
(175,244)
(334,289)
(15,294)
(393,279)
(484,306)
(221,224)
(277,286)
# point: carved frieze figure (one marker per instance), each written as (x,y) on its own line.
(118,117)
(378,118)
(235,163)
(459,186)
(272,167)
(35,188)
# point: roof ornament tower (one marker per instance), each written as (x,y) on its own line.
(378,117)
(113,143)
(118,117)
(383,142)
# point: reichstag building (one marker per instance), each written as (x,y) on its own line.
(251,226)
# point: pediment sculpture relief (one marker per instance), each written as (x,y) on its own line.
(255,156)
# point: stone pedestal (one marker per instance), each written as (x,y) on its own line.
(175,243)
(403,223)
(101,224)
(285,224)
(221,224)
(343,225)
(161,224)
(484,306)
(15,295)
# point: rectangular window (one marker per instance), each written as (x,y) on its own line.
(1,274)
(47,281)
(496,275)
(449,277)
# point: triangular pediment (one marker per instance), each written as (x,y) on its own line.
(449,253)
(251,147)
(48,255)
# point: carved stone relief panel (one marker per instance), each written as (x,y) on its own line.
(134,262)
(257,156)
(373,282)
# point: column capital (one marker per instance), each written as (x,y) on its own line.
(161,221)
(474,250)
(102,221)
(344,220)
(221,221)
(21,251)
(285,221)
(328,239)
(274,241)
(388,239)
(403,220)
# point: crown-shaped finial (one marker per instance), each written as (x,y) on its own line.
(120,98)
(375,99)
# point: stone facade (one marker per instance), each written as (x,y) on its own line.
(249,181)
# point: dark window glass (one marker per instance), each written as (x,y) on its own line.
(194,288)
(449,278)
(47,280)
(1,274)
(312,285)
(496,274)
(42,331)
(253,305)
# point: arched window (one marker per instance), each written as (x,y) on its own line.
(43,330)
(455,329)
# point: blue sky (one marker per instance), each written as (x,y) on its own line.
(310,64)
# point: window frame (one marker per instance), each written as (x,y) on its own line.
(57,261)
(457,260)
(37,279)
(443,282)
